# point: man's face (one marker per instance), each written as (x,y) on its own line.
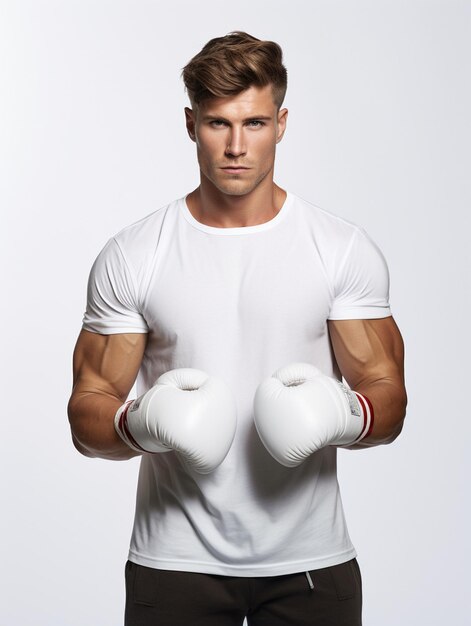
(236,139)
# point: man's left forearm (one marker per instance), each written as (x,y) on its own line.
(389,401)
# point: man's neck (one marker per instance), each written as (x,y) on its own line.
(211,207)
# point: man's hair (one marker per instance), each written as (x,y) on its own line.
(228,65)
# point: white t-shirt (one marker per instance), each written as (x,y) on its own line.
(238,303)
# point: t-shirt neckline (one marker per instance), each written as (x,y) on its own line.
(239,230)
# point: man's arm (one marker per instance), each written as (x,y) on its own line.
(370,355)
(105,368)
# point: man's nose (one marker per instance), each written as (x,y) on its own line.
(236,144)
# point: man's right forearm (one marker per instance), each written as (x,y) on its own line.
(91,418)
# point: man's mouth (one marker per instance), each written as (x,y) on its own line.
(235,168)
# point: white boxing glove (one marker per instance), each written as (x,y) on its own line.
(300,410)
(186,410)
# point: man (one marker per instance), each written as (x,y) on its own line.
(239,308)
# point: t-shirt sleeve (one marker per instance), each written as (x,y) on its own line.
(112,302)
(361,282)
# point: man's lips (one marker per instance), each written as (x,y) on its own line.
(234,168)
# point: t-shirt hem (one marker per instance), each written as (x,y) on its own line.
(358,313)
(103,330)
(273,569)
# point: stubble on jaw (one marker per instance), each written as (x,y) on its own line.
(234,184)
(239,188)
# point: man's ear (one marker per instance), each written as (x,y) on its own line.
(190,123)
(282,118)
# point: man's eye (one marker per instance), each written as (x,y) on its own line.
(256,123)
(217,123)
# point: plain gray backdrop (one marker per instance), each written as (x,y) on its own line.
(92,138)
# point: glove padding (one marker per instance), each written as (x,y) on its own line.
(299,410)
(186,410)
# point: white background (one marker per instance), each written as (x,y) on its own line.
(92,138)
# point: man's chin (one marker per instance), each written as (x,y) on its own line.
(235,192)
(235,189)
(235,186)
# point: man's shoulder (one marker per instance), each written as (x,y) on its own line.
(322,221)
(146,229)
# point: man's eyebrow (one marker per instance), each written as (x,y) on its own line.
(210,116)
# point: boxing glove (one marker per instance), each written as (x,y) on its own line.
(186,410)
(299,410)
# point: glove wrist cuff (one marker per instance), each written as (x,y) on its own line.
(122,428)
(359,418)
(368,416)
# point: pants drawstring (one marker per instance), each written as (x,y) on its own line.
(309,580)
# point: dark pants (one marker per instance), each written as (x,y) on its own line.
(331,596)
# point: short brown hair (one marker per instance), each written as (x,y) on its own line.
(228,65)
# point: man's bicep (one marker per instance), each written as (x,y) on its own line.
(107,364)
(368,350)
